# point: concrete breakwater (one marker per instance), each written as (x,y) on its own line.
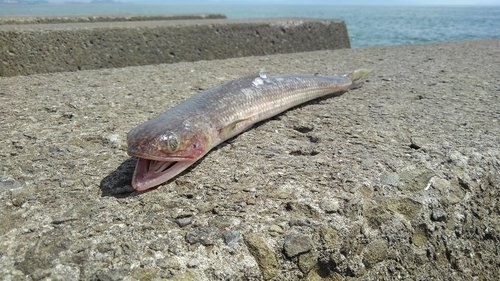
(58,44)
(44,19)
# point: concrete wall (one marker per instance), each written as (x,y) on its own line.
(101,18)
(42,48)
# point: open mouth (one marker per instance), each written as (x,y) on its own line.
(149,173)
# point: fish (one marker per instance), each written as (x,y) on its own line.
(174,140)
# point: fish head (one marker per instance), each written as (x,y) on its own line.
(178,145)
(165,150)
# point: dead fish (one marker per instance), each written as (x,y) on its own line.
(171,142)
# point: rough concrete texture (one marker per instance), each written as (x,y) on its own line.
(397,179)
(101,18)
(44,48)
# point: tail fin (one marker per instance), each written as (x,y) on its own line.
(356,75)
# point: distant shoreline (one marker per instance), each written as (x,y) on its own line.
(37,2)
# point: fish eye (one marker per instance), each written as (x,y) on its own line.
(171,142)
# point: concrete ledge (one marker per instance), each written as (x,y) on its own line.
(43,48)
(101,18)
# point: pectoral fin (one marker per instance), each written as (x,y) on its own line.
(228,131)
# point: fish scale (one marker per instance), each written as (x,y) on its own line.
(169,143)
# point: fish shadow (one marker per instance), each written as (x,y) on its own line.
(117,183)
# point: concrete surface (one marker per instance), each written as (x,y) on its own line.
(398,179)
(43,48)
(43,19)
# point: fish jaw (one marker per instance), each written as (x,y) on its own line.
(156,165)
(150,173)
(152,170)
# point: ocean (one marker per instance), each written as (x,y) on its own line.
(367,25)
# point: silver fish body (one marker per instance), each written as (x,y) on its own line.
(174,140)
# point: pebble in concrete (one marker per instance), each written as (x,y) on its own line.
(264,256)
(204,235)
(296,244)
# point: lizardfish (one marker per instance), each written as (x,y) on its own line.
(171,142)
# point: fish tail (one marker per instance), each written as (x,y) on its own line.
(356,75)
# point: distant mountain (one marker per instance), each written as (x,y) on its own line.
(24,1)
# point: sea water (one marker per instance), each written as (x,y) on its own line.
(367,25)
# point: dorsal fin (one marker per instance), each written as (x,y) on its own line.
(261,74)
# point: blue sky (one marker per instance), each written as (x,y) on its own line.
(344,2)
